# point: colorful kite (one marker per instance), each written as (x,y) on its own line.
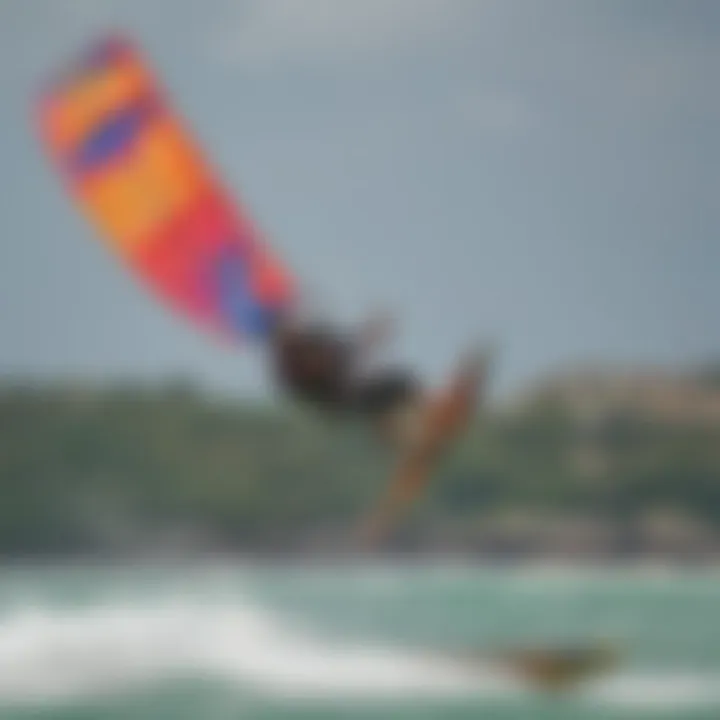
(141,179)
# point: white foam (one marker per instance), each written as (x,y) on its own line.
(46,655)
(49,654)
(668,691)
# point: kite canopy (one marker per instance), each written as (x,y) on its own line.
(138,175)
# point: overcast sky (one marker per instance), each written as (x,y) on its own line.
(544,173)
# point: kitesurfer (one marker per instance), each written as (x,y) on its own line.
(328,367)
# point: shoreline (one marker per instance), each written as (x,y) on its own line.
(547,568)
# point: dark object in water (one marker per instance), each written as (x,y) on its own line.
(558,668)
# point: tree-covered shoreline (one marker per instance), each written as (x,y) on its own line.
(129,468)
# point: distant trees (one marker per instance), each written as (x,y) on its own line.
(129,467)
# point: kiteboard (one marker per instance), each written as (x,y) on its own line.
(429,431)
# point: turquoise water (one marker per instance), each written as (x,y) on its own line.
(349,642)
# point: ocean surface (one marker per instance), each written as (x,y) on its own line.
(215,641)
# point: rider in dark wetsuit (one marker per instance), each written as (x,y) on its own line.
(323,366)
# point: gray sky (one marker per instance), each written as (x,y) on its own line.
(541,172)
